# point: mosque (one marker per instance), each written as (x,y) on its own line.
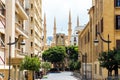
(60,39)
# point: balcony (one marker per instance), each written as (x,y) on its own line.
(3,1)
(14,61)
(2,23)
(21,10)
(20,30)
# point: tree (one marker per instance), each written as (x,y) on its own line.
(54,54)
(77,65)
(72,52)
(74,65)
(30,63)
(46,66)
(110,61)
(71,65)
(117,58)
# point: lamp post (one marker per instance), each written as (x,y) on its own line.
(106,41)
(12,43)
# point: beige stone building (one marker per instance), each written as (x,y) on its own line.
(12,20)
(104,17)
(35,27)
(45,34)
(19,17)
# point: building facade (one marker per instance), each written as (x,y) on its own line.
(45,34)
(35,29)
(12,19)
(74,37)
(104,17)
(19,17)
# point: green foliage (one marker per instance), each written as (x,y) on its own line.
(54,54)
(45,55)
(30,63)
(77,65)
(117,56)
(72,51)
(46,65)
(71,65)
(74,65)
(110,60)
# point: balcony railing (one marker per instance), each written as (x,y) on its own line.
(22,9)
(20,28)
(21,3)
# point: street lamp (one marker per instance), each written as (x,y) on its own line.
(106,41)
(12,43)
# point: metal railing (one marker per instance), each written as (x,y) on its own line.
(23,30)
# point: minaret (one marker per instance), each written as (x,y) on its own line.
(54,33)
(69,28)
(77,21)
(45,32)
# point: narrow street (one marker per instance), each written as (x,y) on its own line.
(60,76)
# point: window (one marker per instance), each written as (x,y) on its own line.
(90,24)
(117,3)
(101,25)
(74,43)
(31,18)
(19,22)
(100,70)
(31,44)
(118,44)
(3,11)
(85,40)
(96,27)
(31,6)
(31,55)
(117,21)
(31,32)
(95,68)
(22,50)
(74,39)
(16,45)
(88,36)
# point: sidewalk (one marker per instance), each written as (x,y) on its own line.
(77,75)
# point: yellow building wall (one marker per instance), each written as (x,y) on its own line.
(102,9)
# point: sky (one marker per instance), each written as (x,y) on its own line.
(60,9)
